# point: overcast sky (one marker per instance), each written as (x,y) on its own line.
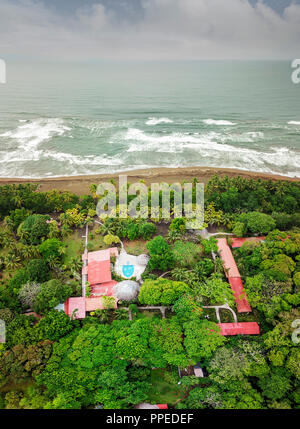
(150,29)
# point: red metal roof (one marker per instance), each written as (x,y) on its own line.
(99,277)
(75,304)
(244,328)
(162,406)
(233,275)
(238,242)
(99,272)
(231,270)
(102,255)
(241,300)
(104,288)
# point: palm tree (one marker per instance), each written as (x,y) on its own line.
(17,200)
(93,190)
(53,262)
(12,261)
(120,314)
(65,231)
(174,236)
(62,250)
(75,265)
(27,251)
(103,315)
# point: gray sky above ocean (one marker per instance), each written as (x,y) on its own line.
(149,29)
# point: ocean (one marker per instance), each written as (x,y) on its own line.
(105,117)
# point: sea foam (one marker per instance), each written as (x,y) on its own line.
(157,121)
(31,134)
(217,122)
(212,149)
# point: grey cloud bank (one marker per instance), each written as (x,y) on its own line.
(150,29)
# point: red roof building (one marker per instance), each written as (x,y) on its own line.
(103,289)
(238,242)
(230,267)
(244,328)
(75,307)
(96,270)
(233,275)
(241,301)
(99,272)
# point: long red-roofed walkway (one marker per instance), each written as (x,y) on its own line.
(241,301)
(233,275)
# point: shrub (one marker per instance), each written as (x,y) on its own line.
(130,228)
(210,246)
(257,223)
(162,292)
(204,268)
(28,294)
(239,229)
(18,216)
(147,230)
(72,217)
(51,294)
(6,315)
(296,279)
(34,228)
(18,280)
(51,248)
(178,224)
(186,253)
(54,325)
(37,270)
(111,239)
(161,256)
(108,302)
(87,202)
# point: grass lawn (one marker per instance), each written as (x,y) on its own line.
(148,314)
(136,247)
(74,247)
(163,392)
(75,244)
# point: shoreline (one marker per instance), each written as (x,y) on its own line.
(80,184)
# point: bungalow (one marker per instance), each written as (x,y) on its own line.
(96,271)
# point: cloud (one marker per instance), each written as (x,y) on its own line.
(167,29)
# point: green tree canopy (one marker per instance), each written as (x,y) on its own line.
(162,291)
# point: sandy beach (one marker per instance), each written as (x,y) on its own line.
(80,184)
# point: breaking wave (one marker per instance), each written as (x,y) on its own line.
(43,147)
(37,131)
(210,149)
(217,122)
(157,121)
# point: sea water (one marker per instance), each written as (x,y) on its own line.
(77,119)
